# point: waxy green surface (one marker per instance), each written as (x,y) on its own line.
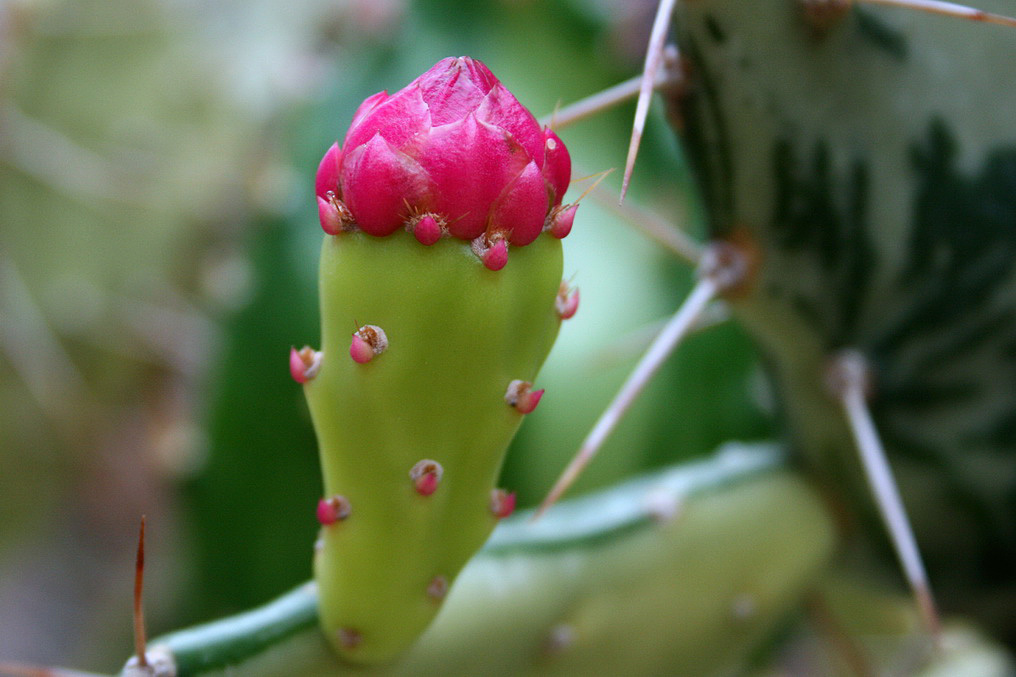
(458,335)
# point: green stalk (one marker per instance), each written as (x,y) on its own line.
(458,334)
(685,571)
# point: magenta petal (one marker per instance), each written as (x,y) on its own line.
(522,209)
(557,167)
(328,214)
(503,110)
(455,87)
(470,163)
(369,104)
(400,119)
(328,172)
(378,184)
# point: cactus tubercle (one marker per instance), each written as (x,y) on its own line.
(567,302)
(502,503)
(521,396)
(426,476)
(333,509)
(304,363)
(367,342)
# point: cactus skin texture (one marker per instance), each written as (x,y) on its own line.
(422,334)
(684,571)
(876,187)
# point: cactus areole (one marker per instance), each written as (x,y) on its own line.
(441,211)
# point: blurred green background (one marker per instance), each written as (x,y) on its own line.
(158,253)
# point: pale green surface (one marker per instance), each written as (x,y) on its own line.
(458,335)
(692,593)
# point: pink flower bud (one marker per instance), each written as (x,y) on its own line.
(455,146)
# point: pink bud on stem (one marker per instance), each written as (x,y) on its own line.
(567,302)
(333,509)
(561,219)
(521,396)
(368,341)
(427,229)
(426,476)
(491,250)
(502,503)
(452,153)
(304,363)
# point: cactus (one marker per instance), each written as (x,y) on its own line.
(597,577)
(414,411)
(880,206)
(441,296)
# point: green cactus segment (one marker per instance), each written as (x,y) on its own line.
(686,571)
(872,170)
(458,335)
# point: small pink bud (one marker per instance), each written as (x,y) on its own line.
(426,476)
(494,255)
(349,638)
(502,503)
(333,509)
(335,217)
(454,142)
(304,363)
(360,350)
(368,341)
(437,589)
(561,220)
(331,221)
(567,302)
(520,396)
(427,230)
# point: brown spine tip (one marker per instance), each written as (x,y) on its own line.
(140,640)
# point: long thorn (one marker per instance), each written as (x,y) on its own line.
(947,9)
(608,98)
(140,640)
(848,381)
(654,58)
(683,320)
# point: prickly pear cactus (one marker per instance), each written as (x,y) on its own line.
(869,163)
(432,335)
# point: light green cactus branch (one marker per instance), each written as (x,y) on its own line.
(686,571)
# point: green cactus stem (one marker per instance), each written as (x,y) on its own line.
(413,435)
(877,187)
(684,571)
